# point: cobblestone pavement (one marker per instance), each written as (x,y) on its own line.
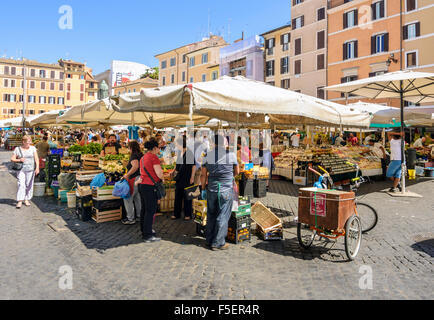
(110,262)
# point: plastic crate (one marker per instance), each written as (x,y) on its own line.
(239,223)
(260,188)
(107,204)
(240,235)
(246,188)
(53,158)
(243,210)
(83,208)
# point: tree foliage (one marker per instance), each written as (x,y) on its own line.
(152,73)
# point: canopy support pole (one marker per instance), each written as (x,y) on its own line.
(238,120)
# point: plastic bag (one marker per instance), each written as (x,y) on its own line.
(98,181)
(122,189)
(66,181)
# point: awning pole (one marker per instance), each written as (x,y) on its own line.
(403,170)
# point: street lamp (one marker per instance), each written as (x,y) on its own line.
(391,59)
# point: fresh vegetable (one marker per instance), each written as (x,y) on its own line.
(119,157)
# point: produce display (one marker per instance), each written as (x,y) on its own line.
(117,157)
(257,172)
(113,167)
(91,148)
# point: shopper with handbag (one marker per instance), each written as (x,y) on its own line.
(133,205)
(26,161)
(151,188)
(184,177)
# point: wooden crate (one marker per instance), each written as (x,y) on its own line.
(89,162)
(103,194)
(167,204)
(105,216)
(330,207)
(264,217)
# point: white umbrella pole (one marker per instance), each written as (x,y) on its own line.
(404,165)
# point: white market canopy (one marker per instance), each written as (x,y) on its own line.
(45,119)
(417,87)
(101,111)
(243,101)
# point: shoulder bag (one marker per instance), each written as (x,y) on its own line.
(17,166)
(159,187)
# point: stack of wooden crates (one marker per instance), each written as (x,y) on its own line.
(105,207)
(268,225)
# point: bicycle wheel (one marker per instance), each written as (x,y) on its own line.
(353,236)
(305,235)
(368,216)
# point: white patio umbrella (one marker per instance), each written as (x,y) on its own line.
(240,100)
(417,87)
(45,119)
(102,111)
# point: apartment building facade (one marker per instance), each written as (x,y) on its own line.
(135,86)
(75,82)
(277,56)
(365,40)
(308,48)
(189,62)
(45,87)
(243,58)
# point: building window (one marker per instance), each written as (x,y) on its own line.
(32,99)
(52,86)
(377,9)
(6,70)
(191,79)
(350,50)
(298,23)
(348,79)
(192,61)
(297,67)
(350,19)
(184,58)
(284,40)
(21,98)
(41,111)
(320,40)
(411,59)
(81,87)
(320,61)
(68,96)
(52,74)
(60,100)
(6,97)
(51,100)
(411,31)
(215,75)
(172,62)
(284,65)
(134,90)
(42,99)
(172,78)
(42,85)
(320,93)
(164,81)
(41,73)
(297,46)
(284,84)
(5,83)
(11,111)
(204,78)
(32,84)
(205,58)
(163,64)
(378,73)
(13,71)
(411,5)
(32,72)
(60,86)
(61,75)
(270,68)
(380,43)
(69,87)
(295,2)
(321,14)
(271,83)
(269,46)
(183,76)
(69,76)
(81,97)
(12,83)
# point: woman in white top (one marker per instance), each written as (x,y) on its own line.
(28,156)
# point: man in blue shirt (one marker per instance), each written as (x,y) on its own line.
(219,170)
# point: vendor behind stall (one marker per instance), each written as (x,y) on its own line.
(379,151)
(111,147)
(419,142)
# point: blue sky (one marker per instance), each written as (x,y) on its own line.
(133,30)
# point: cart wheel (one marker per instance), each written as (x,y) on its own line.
(305,235)
(367,215)
(353,236)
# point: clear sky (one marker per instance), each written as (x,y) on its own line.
(132,30)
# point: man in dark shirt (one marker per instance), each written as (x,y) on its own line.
(219,169)
(111,147)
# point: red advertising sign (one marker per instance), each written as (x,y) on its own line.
(318,205)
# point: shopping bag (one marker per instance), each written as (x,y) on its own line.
(98,181)
(192,192)
(122,189)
